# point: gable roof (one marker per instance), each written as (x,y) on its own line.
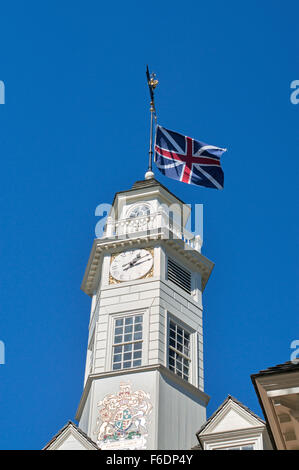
(76,429)
(288,366)
(221,407)
(281,376)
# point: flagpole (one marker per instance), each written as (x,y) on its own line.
(152,83)
(150,161)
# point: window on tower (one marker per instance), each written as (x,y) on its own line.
(179,355)
(141,210)
(127,342)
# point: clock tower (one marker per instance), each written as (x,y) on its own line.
(144,378)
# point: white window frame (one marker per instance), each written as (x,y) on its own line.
(130,208)
(110,340)
(193,374)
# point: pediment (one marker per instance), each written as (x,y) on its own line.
(231,416)
(71,438)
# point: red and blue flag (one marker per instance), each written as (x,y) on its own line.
(188,160)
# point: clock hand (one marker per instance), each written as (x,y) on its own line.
(131,263)
(136,264)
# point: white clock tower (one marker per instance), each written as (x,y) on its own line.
(144,384)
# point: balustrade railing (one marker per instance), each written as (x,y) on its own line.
(150,224)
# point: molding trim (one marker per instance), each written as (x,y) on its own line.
(164,371)
(234,439)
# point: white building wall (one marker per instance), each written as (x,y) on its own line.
(85,416)
(158,301)
(181,414)
(71,443)
(177,411)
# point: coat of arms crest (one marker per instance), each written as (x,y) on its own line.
(122,422)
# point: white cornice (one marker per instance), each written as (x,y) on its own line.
(217,436)
(253,436)
(107,245)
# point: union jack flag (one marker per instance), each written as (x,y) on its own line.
(188,160)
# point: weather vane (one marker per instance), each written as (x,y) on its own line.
(152,83)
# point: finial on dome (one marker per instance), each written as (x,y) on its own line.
(149,175)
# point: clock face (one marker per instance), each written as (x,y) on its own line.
(131,265)
(140,211)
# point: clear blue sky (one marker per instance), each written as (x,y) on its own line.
(74,130)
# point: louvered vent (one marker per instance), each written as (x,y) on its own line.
(179,276)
